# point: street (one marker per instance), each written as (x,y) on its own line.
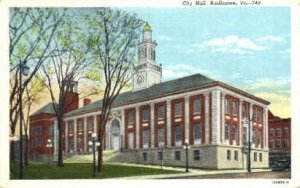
(259,175)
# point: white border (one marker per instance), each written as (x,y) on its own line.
(4,69)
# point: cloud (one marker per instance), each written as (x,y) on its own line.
(268,83)
(230,44)
(181,70)
(280,104)
(276,90)
(164,38)
(270,38)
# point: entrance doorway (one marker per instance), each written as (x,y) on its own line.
(115,135)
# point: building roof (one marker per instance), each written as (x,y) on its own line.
(188,83)
(147,27)
(47,109)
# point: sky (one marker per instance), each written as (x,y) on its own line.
(248,48)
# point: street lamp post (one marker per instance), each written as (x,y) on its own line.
(162,155)
(49,146)
(248,120)
(186,147)
(23,70)
(94,143)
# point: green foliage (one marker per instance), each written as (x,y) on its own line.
(82,171)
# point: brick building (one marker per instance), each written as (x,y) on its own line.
(41,125)
(205,112)
(279,140)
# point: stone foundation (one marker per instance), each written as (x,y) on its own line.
(211,156)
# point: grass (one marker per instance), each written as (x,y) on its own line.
(81,171)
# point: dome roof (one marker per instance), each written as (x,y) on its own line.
(147,27)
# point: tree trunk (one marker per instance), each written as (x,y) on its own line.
(100,148)
(26,149)
(100,158)
(12,150)
(60,148)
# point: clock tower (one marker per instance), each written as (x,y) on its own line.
(147,72)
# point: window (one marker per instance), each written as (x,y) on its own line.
(130,140)
(159,155)
(271,133)
(178,134)
(196,155)
(71,127)
(255,156)
(253,136)
(144,156)
(259,114)
(146,138)
(161,112)
(285,144)
(261,138)
(130,117)
(245,134)
(278,132)
(71,144)
(178,109)
(245,110)
(177,155)
(235,133)
(197,133)
(91,124)
(260,157)
(286,132)
(161,135)
(197,106)
(235,107)
(226,131)
(51,130)
(146,114)
(271,144)
(228,155)
(236,155)
(80,125)
(227,106)
(278,144)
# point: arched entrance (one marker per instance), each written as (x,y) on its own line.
(115,135)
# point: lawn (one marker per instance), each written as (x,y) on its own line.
(81,171)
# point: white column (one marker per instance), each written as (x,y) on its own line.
(137,128)
(95,124)
(66,137)
(251,125)
(206,95)
(216,108)
(265,128)
(122,128)
(75,135)
(85,130)
(152,124)
(223,117)
(187,117)
(169,122)
(108,138)
(241,126)
(55,138)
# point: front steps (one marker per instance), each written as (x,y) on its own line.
(88,158)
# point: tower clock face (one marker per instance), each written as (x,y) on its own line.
(140,79)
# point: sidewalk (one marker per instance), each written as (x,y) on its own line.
(192,172)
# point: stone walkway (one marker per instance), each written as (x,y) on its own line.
(192,172)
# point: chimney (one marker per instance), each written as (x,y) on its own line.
(86,101)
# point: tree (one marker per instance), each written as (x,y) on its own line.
(70,58)
(30,31)
(113,36)
(34,92)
